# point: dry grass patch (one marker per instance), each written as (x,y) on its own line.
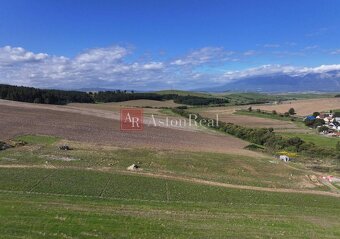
(304,107)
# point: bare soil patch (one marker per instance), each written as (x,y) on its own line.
(102,128)
(304,107)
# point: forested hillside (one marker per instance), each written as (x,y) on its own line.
(60,97)
(33,95)
(118,96)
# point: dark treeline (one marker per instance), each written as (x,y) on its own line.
(118,96)
(33,95)
(265,137)
(196,100)
(337,95)
(60,97)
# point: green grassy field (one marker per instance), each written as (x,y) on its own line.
(262,115)
(36,139)
(319,140)
(42,195)
(308,95)
(226,168)
(72,203)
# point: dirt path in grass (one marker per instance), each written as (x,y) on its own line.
(235,186)
(188,179)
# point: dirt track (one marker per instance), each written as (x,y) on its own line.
(76,124)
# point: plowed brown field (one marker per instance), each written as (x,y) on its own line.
(78,124)
(304,107)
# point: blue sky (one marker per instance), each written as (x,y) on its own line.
(161,44)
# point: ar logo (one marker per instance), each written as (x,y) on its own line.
(131,119)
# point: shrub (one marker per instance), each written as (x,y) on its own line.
(322,128)
(4,146)
(315,114)
(291,111)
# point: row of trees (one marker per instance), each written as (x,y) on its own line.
(267,137)
(118,96)
(33,95)
(60,97)
(290,112)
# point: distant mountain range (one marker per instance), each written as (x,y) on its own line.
(279,82)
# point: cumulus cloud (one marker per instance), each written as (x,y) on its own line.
(10,55)
(112,68)
(99,67)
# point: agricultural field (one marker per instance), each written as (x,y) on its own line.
(230,115)
(103,127)
(305,107)
(263,171)
(194,175)
(189,213)
(317,139)
(87,192)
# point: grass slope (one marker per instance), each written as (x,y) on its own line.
(92,198)
(137,207)
(319,140)
(225,168)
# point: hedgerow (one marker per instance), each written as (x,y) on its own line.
(265,137)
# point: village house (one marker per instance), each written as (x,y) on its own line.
(331,126)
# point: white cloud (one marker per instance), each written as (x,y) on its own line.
(10,55)
(204,55)
(111,67)
(102,55)
(104,67)
(153,66)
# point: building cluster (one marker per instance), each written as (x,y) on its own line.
(331,126)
